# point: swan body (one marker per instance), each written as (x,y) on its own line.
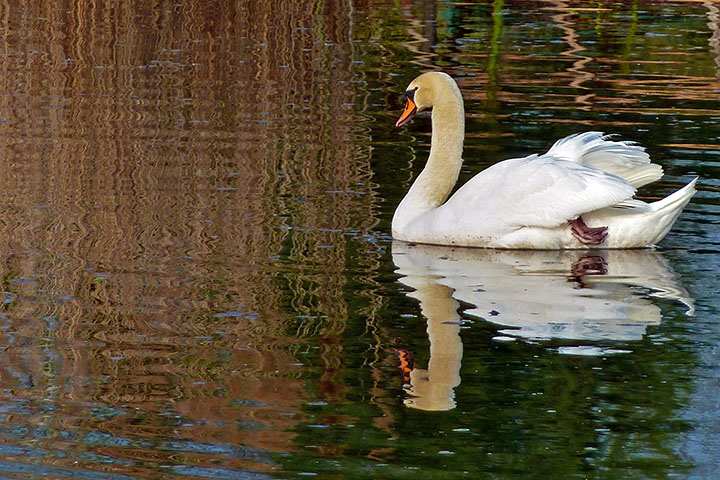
(577,195)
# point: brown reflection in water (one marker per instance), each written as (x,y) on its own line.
(422,29)
(157,161)
(577,73)
(713,15)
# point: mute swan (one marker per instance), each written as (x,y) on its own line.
(577,195)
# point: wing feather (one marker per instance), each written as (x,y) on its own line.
(536,191)
(627,160)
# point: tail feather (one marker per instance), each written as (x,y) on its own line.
(668,209)
(677,200)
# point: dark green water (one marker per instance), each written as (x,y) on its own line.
(198,272)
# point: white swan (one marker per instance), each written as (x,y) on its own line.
(577,195)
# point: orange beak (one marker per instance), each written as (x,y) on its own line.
(408,114)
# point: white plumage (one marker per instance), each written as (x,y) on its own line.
(529,202)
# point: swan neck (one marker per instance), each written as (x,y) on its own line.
(443,166)
(448,135)
(436,181)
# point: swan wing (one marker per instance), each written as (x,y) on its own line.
(536,191)
(627,160)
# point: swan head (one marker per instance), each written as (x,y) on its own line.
(424,92)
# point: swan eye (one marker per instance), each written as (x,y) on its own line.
(411,94)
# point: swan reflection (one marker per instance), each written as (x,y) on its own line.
(577,296)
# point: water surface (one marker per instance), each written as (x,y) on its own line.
(198,275)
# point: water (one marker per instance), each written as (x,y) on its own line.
(199,280)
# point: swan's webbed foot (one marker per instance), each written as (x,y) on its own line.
(587,235)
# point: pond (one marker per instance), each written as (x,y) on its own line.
(198,274)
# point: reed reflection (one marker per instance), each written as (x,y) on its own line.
(160,162)
(589,301)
